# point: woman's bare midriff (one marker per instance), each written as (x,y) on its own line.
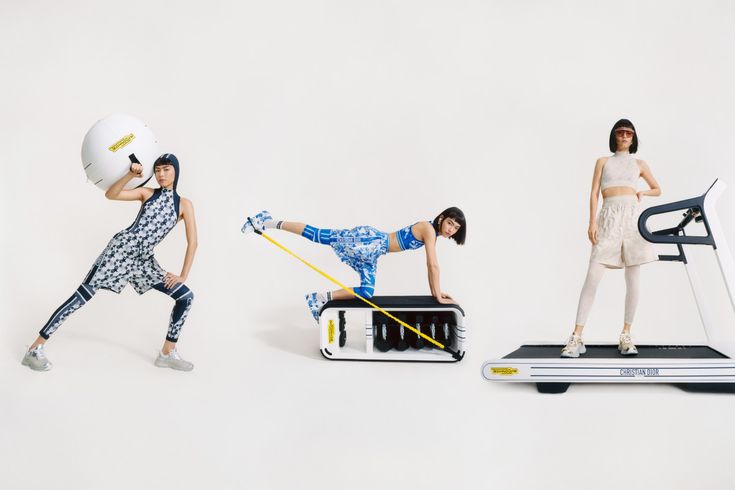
(618,191)
(393,243)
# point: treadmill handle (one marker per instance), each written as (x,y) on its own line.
(694,211)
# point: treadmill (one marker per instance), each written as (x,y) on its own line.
(709,367)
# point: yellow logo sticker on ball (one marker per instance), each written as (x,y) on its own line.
(330,331)
(122,142)
(504,371)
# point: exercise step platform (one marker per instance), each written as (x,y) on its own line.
(353,330)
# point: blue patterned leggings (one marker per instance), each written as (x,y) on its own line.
(180,293)
(359,248)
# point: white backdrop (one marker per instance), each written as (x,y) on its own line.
(344,113)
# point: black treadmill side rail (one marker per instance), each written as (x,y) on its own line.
(675,258)
(694,211)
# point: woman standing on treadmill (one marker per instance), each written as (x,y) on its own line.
(616,241)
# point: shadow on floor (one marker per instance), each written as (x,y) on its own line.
(301,339)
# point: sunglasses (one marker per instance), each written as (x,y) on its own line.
(628,133)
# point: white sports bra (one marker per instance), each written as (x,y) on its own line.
(620,170)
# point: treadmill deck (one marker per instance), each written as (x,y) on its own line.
(611,352)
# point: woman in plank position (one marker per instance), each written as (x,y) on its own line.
(360,248)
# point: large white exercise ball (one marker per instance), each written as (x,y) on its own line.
(111,144)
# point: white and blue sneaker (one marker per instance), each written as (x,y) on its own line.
(256,223)
(315,302)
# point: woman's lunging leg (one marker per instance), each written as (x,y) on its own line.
(183,297)
(81,296)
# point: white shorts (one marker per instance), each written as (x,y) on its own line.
(619,243)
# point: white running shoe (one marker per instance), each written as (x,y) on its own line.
(574,347)
(626,346)
(315,302)
(174,361)
(36,359)
(256,223)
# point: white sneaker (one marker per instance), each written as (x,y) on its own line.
(315,302)
(174,361)
(574,347)
(256,223)
(625,345)
(36,359)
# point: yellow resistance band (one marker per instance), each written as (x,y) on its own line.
(455,354)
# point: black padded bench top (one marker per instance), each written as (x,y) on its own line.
(388,302)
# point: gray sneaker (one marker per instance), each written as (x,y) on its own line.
(174,361)
(36,359)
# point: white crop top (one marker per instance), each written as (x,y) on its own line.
(620,170)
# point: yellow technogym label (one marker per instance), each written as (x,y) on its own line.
(504,371)
(122,142)
(330,331)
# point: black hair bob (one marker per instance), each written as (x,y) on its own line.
(623,123)
(167,159)
(457,215)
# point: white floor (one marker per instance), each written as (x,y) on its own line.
(263,409)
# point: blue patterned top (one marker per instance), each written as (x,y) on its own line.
(406,240)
